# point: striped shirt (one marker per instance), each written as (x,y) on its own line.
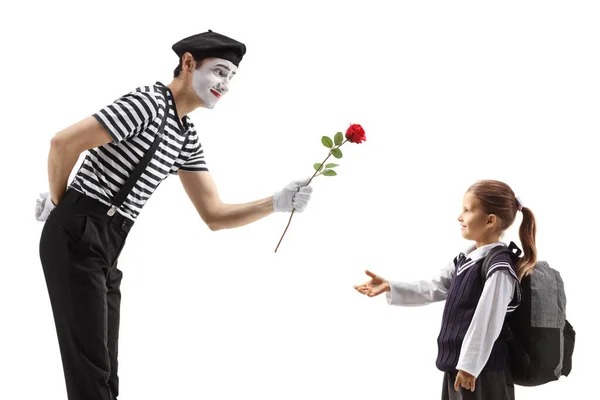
(132,122)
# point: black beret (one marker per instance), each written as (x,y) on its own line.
(211,44)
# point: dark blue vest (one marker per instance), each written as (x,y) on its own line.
(463,297)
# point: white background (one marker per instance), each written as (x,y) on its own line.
(448,93)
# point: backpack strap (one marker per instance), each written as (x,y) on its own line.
(144,162)
(512,249)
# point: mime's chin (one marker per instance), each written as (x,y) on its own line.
(208,105)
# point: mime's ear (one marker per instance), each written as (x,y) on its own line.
(188,64)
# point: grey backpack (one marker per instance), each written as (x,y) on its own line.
(541,340)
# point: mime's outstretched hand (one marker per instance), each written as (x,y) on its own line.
(294,196)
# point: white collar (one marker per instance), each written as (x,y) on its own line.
(474,255)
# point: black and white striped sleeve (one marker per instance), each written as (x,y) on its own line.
(129,115)
(195,161)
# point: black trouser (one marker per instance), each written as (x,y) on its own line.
(79,248)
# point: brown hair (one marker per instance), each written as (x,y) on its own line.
(499,199)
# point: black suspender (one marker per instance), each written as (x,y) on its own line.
(141,167)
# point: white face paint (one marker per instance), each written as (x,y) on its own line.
(211,81)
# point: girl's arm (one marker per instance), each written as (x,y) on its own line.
(419,293)
(487,322)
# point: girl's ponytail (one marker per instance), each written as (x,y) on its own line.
(527,236)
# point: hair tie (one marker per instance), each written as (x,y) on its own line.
(520,203)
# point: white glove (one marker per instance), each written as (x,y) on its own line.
(294,196)
(43,207)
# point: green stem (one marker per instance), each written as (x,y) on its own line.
(311,178)
(324,161)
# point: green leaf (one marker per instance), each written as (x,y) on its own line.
(331,165)
(337,153)
(339,138)
(327,142)
(316,166)
(329,172)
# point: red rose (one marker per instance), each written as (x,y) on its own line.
(356,134)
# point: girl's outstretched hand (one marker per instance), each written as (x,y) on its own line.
(374,287)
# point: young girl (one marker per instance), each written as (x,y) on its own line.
(472,350)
